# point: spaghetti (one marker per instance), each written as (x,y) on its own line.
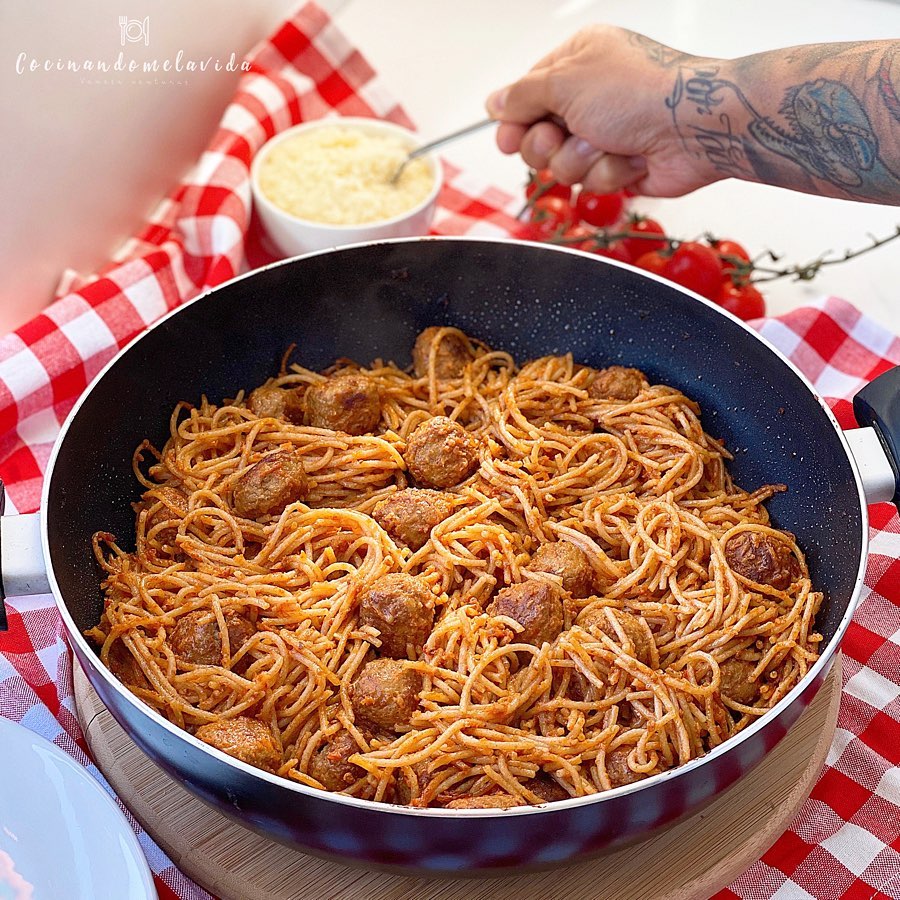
(264,636)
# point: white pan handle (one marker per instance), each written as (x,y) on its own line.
(22,569)
(878,476)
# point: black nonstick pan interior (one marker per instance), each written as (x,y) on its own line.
(371,301)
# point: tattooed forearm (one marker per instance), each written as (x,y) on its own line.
(835,131)
(807,57)
(698,103)
(889,81)
(825,130)
(656,52)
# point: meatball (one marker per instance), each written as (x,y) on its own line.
(583,689)
(536,605)
(567,561)
(762,558)
(522,690)
(409,515)
(630,716)
(125,667)
(169,505)
(736,683)
(402,792)
(488,801)
(547,788)
(618,769)
(245,739)
(268,487)
(386,693)
(595,617)
(196,640)
(591,617)
(329,765)
(518,682)
(441,453)
(348,403)
(401,607)
(278,403)
(617,383)
(451,354)
(174,502)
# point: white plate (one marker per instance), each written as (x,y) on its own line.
(61,836)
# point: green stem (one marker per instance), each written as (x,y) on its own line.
(742,272)
(809,271)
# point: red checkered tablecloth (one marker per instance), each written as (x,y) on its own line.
(846,840)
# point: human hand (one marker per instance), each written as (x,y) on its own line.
(594,112)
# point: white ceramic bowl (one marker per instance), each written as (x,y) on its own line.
(293,235)
(61,835)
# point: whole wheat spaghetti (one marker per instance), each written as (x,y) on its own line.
(689,617)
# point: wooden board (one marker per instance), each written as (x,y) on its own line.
(689,861)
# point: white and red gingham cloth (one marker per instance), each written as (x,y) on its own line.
(845,843)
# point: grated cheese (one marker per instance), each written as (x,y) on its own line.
(339,175)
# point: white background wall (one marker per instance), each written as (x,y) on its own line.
(82,163)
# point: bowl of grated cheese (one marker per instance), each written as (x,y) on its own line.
(328,183)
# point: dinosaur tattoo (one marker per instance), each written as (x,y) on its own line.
(828,133)
(822,127)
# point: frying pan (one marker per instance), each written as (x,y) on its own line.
(370,301)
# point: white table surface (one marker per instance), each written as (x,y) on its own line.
(442,59)
(89,161)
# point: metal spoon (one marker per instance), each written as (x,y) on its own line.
(425,148)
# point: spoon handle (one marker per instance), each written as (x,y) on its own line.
(469,129)
(419,151)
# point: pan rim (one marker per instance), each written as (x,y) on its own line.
(815,674)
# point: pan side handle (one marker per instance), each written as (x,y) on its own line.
(878,405)
(22,569)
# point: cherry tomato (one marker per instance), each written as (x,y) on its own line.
(551,215)
(639,246)
(548,186)
(730,248)
(584,237)
(653,261)
(616,250)
(744,300)
(599,209)
(525,231)
(696,267)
